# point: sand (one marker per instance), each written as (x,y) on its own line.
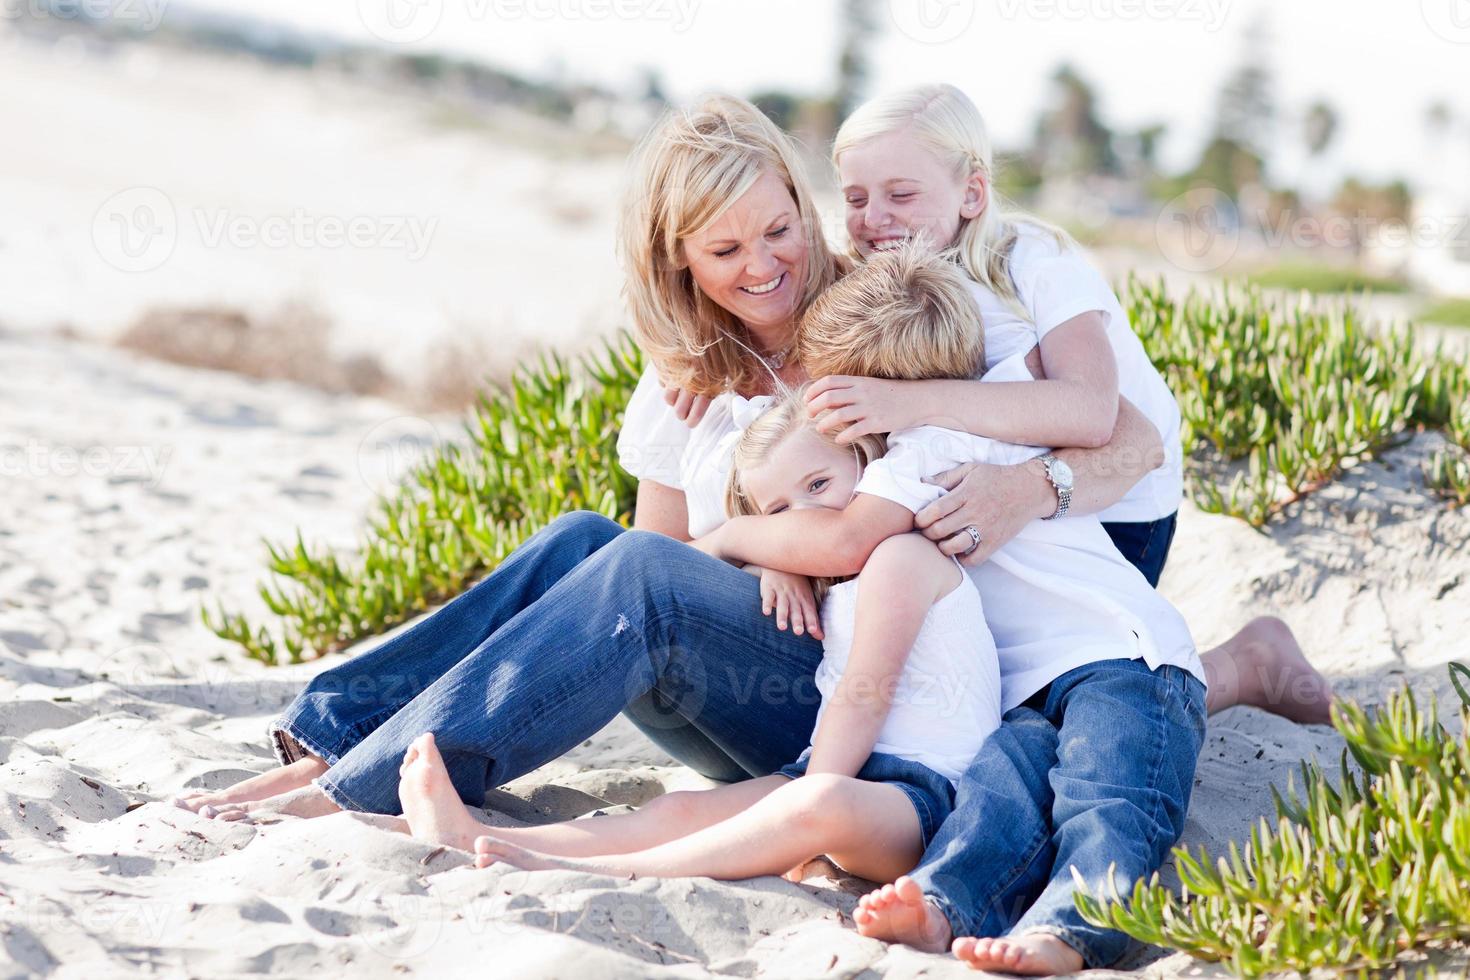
(135,490)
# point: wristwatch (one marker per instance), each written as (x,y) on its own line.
(1060,475)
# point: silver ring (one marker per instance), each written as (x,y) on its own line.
(974,533)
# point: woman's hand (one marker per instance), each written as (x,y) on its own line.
(791,598)
(689,407)
(996,500)
(860,406)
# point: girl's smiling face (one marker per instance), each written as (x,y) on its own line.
(896,190)
(803,471)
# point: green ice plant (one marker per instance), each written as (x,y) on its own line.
(1276,399)
(1353,873)
(540,447)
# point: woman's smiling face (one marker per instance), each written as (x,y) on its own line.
(895,190)
(803,471)
(752,259)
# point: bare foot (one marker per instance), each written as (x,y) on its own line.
(1263,666)
(431,805)
(1036,954)
(899,913)
(278,780)
(490,850)
(304,801)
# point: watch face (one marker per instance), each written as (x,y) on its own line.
(1062,474)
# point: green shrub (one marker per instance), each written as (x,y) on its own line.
(1350,876)
(1323,279)
(1277,397)
(541,448)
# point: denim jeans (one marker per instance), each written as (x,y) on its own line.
(1145,544)
(1095,770)
(583,621)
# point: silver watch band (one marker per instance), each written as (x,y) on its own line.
(1064,494)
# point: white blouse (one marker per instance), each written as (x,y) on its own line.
(655,445)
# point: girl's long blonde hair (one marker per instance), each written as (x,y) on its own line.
(685,173)
(946,123)
(785,416)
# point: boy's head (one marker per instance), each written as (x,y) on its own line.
(905,314)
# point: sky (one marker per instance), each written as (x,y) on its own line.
(1381,63)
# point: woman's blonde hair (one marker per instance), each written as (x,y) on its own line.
(906,314)
(685,173)
(760,439)
(946,123)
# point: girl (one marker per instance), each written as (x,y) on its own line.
(909,685)
(1108,664)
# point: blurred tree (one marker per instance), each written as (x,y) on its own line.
(1370,206)
(651,84)
(857,26)
(1245,113)
(1070,138)
(1228,166)
(1319,127)
(781,107)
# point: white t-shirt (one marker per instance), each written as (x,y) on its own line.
(655,445)
(1055,285)
(947,699)
(1057,596)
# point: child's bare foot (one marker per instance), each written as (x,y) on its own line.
(431,805)
(490,850)
(279,780)
(1263,666)
(1036,954)
(304,801)
(899,913)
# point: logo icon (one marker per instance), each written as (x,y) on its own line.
(400,21)
(932,21)
(136,230)
(1198,231)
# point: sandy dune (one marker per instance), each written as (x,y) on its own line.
(116,697)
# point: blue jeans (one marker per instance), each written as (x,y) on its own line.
(1095,770)
(584,620)
(1145,543)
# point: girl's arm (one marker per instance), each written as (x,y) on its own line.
(816,541)
(662,509)
(1075,404)
(904,577)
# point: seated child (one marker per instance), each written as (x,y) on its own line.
(909,688)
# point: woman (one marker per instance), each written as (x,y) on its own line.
(724,251)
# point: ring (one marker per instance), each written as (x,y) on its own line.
(974,533)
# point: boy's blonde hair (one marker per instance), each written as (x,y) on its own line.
(946,123)
(760,439)
(685,173)
(906,314)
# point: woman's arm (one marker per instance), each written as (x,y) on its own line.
(1000,500)
(904,577)
(815,541)
(662,509)
(1074,404)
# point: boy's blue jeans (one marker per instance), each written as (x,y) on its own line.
(1095,770)
(585,620)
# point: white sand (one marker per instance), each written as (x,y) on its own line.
(115,694)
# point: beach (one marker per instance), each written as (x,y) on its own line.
(136,490)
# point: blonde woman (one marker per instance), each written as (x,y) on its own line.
(723,253)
